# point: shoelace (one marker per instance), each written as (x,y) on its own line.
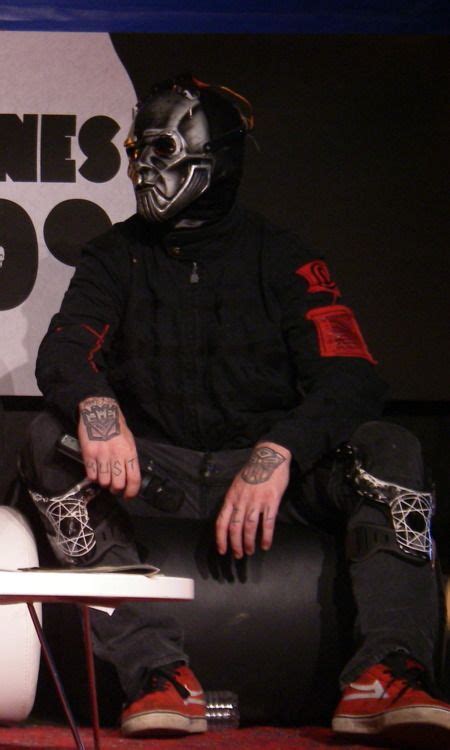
(162,676)
(402,669)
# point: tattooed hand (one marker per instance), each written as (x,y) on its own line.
(253,499)
(108,447)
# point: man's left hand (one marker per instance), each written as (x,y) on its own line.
(253,498)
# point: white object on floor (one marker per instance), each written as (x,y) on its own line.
(19,645)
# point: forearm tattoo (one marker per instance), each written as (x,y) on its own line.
(101,418)
(261,465)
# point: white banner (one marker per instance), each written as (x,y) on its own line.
(65,109)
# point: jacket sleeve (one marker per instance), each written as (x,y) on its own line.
(71,362)
(338,386)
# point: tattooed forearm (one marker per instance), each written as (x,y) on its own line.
(101,418)
(261,465)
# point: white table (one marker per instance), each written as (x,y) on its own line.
(85,589)
(102,589)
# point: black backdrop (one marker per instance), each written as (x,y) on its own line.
(352,131)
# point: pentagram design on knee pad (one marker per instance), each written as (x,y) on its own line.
(67,521)
(411,511)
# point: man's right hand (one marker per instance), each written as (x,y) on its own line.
(108,447)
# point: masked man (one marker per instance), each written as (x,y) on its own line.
(202,337)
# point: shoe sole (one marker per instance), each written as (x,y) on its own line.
(162,724)
(406,728)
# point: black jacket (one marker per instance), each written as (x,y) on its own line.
(211,338)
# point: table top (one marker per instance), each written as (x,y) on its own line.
(76,586)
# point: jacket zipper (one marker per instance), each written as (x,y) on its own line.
(194,278)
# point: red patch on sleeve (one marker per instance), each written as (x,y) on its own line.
(338,332)
(318,278)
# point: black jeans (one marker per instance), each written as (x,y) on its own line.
(397,598)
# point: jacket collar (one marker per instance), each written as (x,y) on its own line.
(194,243)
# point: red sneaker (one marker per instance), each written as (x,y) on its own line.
(389,701)
(174,705)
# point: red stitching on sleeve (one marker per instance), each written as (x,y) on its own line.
(100,339)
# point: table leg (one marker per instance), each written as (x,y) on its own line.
(55,676)
(91,675)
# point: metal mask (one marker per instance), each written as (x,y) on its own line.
(168,164)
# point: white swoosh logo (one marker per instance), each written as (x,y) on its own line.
(374,690)
(194,697)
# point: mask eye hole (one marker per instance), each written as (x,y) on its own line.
(164,146)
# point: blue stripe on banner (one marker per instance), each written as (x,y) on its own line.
(234,16)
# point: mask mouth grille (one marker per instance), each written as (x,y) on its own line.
(154,206)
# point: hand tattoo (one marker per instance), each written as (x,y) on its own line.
(101,418)
(261,465)
(235,516)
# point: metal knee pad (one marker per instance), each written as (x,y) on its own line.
(84,525)
(409,513)
(67,523)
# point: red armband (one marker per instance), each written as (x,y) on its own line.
(338,332)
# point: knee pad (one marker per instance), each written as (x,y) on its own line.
(83,524)
(408,512)
(67,523)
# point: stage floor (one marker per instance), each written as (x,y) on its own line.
(46,737)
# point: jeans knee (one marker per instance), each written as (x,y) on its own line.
(391,453)
(42,466)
